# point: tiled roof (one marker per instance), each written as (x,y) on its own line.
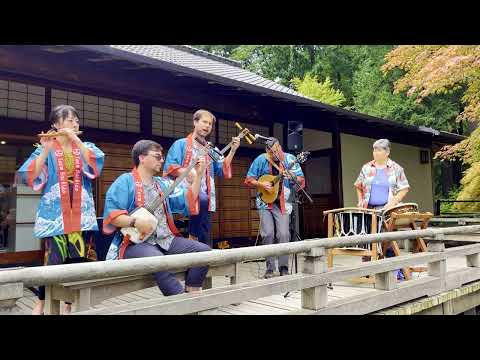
(202,61)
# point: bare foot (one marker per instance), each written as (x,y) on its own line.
(192,289)
(67,309)
(38,309)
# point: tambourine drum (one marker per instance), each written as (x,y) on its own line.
(400,209)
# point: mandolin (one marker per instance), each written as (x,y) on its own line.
(270,196)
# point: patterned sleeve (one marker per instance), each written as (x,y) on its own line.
(25,173)
(92,167)
(402,182)
(359,183)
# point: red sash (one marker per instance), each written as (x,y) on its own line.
(71,211)
(188,158)
(139,202)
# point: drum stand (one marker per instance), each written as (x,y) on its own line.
(371,253)
(294,236)
(407,220)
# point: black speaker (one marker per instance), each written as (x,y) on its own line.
(295,136)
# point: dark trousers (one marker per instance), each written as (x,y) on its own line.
(166,281)
(201,224)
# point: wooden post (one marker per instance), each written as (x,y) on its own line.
(52,306)
(208,283)
(437,268)
(386,280)
(330,234)
(235,279)
(373,230)
(473,260)
(83,299)
(316,297)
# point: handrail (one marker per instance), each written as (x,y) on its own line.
(44,275)
(218,297)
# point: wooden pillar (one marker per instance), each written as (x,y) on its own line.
(386,280)
(83,299)
(52,306)
(234,279)
(146,119)
(330,234)
(316,297)
(437,268)
(473,260)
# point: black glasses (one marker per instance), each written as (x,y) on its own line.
(159,157)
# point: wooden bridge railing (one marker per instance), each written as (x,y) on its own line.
(312,281)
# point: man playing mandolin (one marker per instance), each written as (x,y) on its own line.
(274,210)
(140,189)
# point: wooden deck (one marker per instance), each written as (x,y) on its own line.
(271,305)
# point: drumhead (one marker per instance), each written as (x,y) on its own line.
(402,207)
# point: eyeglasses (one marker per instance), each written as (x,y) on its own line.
(159,157)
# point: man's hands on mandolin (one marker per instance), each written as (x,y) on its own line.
(265,185)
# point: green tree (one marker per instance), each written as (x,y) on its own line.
(321,91)
(373,94)
(446,69)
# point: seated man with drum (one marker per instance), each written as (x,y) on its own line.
(382,183)
(143,189)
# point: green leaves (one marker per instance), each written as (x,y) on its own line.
(321,91)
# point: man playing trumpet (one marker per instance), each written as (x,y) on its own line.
(179,157)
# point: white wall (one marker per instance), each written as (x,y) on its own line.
(316,140)
(357,150)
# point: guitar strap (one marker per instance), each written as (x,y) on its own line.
(274,165)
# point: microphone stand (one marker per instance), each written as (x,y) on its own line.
(293,221)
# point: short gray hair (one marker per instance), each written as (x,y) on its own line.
(382,144)
(142,147)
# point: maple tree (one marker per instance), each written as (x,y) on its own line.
(442,69)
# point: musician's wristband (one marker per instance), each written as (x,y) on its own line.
(132,222)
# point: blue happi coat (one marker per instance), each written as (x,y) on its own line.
(120,199)
(49,219)
(261,166)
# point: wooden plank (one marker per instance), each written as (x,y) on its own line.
(377,300)
(117,301)
(133,297)
(24,307)
(244,308)
(264,308)
(232,311)
(268,302)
